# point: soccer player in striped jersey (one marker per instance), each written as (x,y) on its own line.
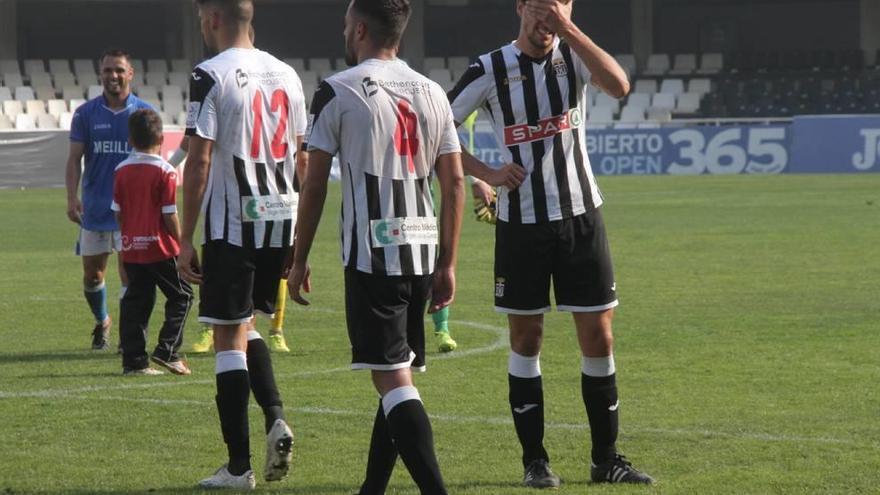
(99,132)
(549,225)
(393,131)
(245,121)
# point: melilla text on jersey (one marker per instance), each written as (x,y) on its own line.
(111,147)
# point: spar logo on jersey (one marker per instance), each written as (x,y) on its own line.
(546,128)
(370,87)
(241,78)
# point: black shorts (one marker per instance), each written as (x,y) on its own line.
(237,281)
(572,252)
(386,320)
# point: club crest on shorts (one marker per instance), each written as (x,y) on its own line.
(499,287)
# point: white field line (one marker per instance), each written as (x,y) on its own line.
(499,343)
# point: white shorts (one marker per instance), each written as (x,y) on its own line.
(93,243)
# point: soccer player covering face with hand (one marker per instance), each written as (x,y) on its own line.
(549,226)
(392,130)
(245,122)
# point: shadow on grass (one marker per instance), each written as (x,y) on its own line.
(40,357)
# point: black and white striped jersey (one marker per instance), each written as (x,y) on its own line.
(388,125)
(251,105)
(538,109)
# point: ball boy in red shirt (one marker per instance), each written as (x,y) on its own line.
(144,200)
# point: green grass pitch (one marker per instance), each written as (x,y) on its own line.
(747,343)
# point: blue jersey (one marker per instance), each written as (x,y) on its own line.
(104,132)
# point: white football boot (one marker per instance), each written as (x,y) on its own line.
(223,479)
(279,447)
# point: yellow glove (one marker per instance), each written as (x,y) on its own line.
(485,212)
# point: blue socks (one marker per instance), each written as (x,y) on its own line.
(97,299)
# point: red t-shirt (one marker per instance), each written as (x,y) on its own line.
(145,188)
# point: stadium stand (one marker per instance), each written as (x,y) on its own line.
(5,123)
(681,85)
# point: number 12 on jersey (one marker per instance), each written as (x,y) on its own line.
(279,104)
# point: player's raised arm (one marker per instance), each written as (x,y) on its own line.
(71,181)
(606,73)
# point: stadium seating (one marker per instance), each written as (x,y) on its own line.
(432,63)
(684,64)
(45,93)
(658,65)
(12,79)
(628,62)
(34,107)
(157,66)
(320,64)
(34,66)
(647,86)
(25,122)
(672,86)
(59,66)
(56,107)
(9,66)
(665,101)
(71,92)
(180,79)
(94,91)
(5,123)
(84,68)
(11,108)
(64,120)
(640,100)
(685,85)
(181,65)
(298,64)
(687,104)
(46,121)
(24,93)
(599,117)
(154,78)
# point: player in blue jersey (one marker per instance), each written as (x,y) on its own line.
(99,133)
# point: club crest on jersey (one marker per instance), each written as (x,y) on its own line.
(549,127)
(499,287)
(241,78)
(370,87)
(560,68)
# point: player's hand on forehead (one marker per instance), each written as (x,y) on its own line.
(552,12)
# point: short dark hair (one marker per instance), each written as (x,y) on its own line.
(385,19)
(145,128)
(115,52)
(236,10)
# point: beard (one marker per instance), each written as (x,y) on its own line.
(350,55)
